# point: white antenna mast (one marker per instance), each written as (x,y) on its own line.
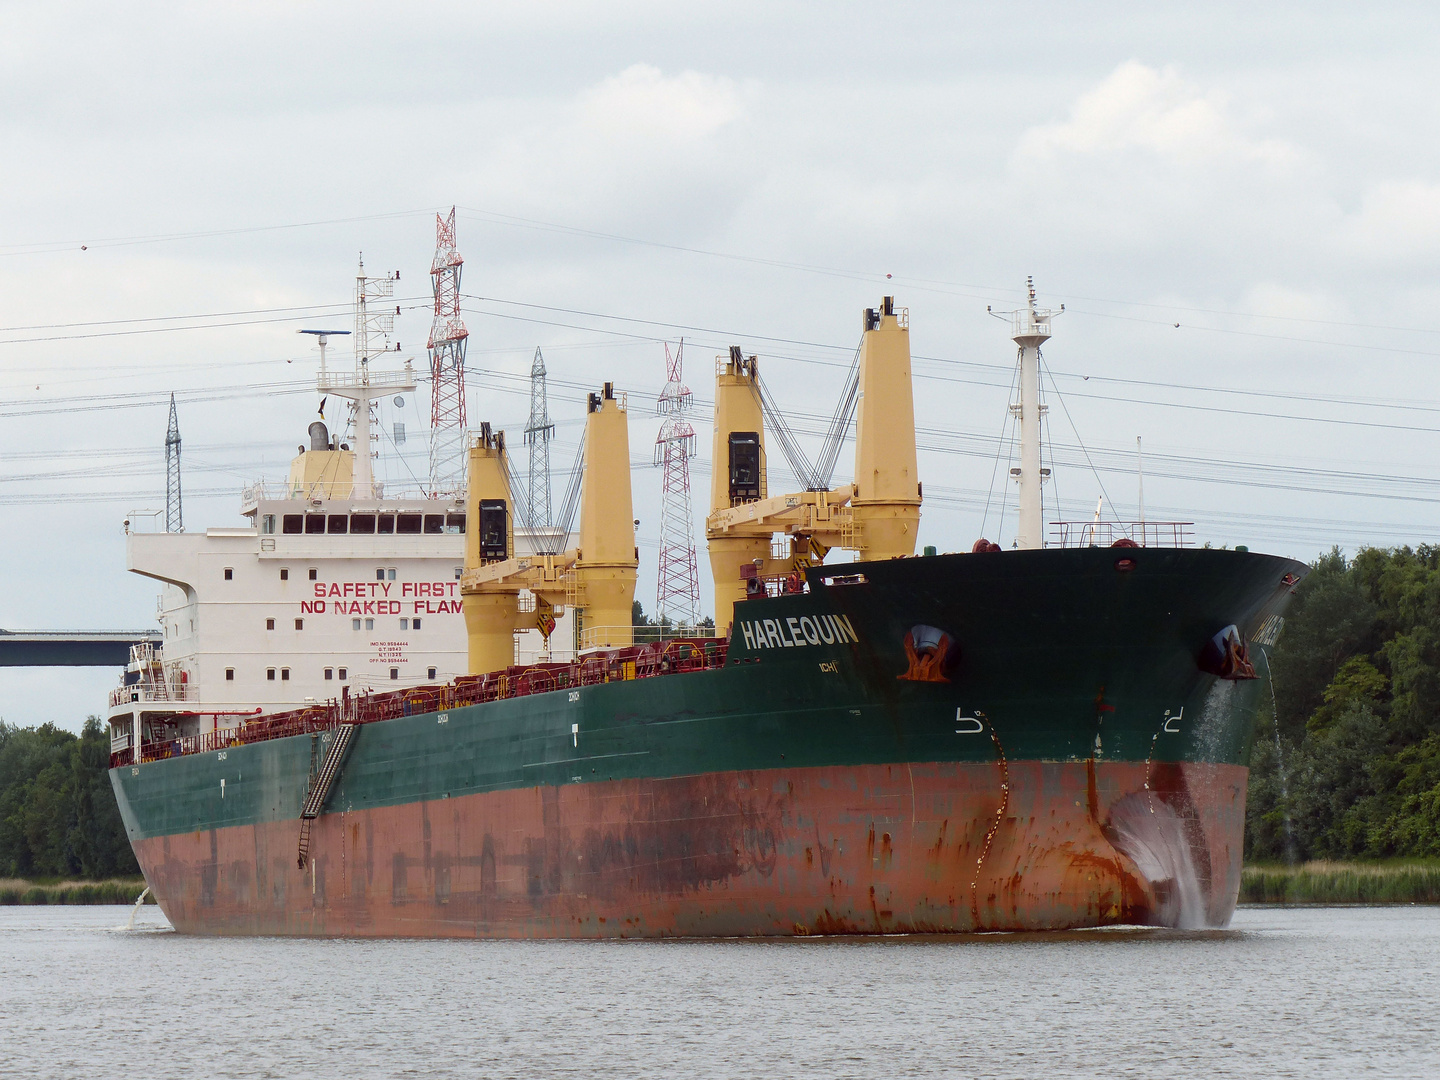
(373,325)
(1140,476)
(1030,329)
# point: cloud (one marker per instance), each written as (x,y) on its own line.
(1155,110)
(637,146)
(1286,302)
(642,102)
(1397,219)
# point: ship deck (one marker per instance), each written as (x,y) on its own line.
(645,661)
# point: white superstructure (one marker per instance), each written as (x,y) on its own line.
(330,589)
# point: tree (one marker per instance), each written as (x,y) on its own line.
(58,816)
(1350,763)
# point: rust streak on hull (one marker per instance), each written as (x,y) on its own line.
(854,849)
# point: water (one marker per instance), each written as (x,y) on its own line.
(1297,993)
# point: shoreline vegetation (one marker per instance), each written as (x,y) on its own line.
(114,891)
(1320,883)
(1326,882)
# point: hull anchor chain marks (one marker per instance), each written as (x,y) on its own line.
(320,787)
(995,823)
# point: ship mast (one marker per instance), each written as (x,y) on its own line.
(1031,329)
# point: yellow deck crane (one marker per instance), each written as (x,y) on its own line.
(597,577)
(877,516)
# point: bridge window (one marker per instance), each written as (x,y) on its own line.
(329,673)
(229,674)
(363,524)
(385,523)
(269,624)
(455,523)
(314,523)
(344,674)
(229,573)
(267,523)
(409,524)
(293,524)
(270,673)
(339,523)
(434,523)
(299,624)
(284,573)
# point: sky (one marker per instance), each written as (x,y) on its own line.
(1237,205)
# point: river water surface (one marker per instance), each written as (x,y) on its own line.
(1283,993)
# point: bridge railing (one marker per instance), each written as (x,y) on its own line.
(1072,534)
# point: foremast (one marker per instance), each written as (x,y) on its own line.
(1030,329)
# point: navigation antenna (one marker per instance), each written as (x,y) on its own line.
(677,590)
(1030,328)
(538,433)
(174,517)
(374,323)
(447,366)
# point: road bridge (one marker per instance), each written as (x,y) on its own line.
(71,648)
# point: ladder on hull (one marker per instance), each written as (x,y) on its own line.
(320,786)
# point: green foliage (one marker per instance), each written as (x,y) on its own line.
(1358,682)
(1349,763)
(1341,883)
(58,816)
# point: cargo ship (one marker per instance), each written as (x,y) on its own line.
(1048,737)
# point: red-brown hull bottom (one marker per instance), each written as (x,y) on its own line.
(920,848)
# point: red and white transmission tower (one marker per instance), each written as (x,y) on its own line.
(447,366)
(677,594)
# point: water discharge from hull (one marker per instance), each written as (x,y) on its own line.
(1153,837)
(140,900)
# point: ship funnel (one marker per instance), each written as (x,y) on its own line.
(319,436)
(886,505)
(607,560)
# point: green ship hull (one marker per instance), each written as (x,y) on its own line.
(1010,740)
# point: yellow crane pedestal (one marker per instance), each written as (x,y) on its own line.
(607,561)
(886,505)
(597,577)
